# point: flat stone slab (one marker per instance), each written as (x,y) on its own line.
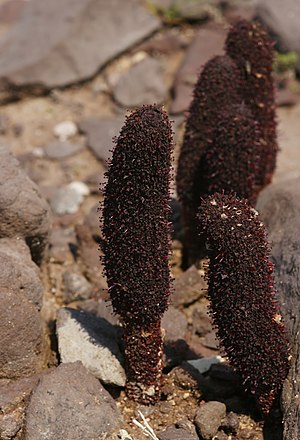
(88,33)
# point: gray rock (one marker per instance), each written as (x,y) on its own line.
(93,341)
(13,400)
(174,324)
(142,84)
(88,33)
(203,365)
(285,26)
(24,212)
(174,433)
(100,134)
(189,287)
(209,418)
(61,149)
(194,9)
(22,349)
(76,288)
(69,403)
(18,271)
(208,42)
(67,200)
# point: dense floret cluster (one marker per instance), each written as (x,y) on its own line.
(137,242)
(241,290)
(231,160)
(216,87)
(251,48)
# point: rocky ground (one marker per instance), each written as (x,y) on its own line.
(69,72)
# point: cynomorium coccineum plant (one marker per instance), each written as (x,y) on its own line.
(137,243)
(221,148)
(252,50)
(241,290)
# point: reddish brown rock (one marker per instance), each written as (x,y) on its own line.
(23,350)
(18,271)
(24,212)
(84,410)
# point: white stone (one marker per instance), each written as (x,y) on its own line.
(64,130)
(80,187)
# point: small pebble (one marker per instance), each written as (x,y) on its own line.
(64,130)
(61,149)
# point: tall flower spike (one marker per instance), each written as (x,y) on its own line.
(137,235)
(241,290)
(251,48)
(217,86)
(232,158)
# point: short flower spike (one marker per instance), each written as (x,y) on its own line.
(241,290)
(137,243)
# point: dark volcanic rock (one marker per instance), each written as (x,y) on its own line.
(88,33)
(100,133)
(142,84)
(23,211)
(69,403)
(207,43)
(18,270)
(286,26)
(22,348)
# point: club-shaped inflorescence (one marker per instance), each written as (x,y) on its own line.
(251,49)
(137,234)
(243,303)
